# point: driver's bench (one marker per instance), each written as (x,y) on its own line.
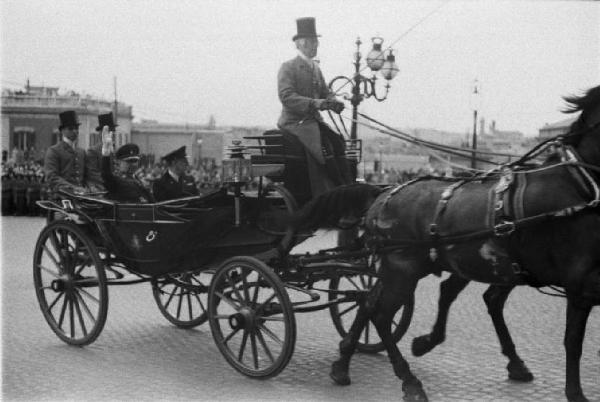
(284,148)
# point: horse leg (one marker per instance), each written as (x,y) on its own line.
(449,290)
(577,317)
(340,367)
(388,304)
(495,298)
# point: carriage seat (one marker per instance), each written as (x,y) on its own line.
(285,148)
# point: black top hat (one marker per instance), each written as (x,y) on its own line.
(179,153)
(306,28)
(68,119)
(106,119)
(128,151)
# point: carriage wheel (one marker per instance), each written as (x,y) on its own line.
(251,317)
(70,283)
(183,298)
(343,314)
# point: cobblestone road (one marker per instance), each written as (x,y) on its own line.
(140,356)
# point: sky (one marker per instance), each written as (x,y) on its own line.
(182,61)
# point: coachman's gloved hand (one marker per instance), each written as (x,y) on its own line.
(337,107)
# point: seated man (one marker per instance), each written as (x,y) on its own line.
(126,187)
(175,183)
(65,163)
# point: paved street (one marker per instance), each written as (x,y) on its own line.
(141,356)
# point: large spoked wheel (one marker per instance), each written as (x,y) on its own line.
(251,317)
(183,298)
(343,314)
(70,283)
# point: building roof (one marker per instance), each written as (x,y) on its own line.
(559,124)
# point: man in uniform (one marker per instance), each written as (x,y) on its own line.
(65,163)
(125,187)
(303,93)
(175,183)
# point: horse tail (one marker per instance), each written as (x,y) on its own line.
(326,210)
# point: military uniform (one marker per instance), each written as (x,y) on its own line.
(167,188)
(123,188)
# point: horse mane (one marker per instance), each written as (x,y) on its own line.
(581,103)
(326,210)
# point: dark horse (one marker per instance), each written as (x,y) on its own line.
(518,226)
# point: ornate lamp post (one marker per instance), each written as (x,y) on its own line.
(363,87)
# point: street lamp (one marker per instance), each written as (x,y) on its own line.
(475,100)
(363,87)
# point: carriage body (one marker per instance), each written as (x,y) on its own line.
(186,234)
(222,257)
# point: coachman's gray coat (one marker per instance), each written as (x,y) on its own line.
(299,84)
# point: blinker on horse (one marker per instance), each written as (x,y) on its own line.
(515,226)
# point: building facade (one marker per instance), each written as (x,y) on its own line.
(205,143)
(30,118)
(554,129)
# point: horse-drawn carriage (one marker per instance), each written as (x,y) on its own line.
(541,229)
(222,257)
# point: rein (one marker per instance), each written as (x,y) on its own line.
(505,228)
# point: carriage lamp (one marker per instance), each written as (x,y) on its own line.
(236,169)
(362,87)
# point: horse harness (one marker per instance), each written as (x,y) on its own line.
(507,212)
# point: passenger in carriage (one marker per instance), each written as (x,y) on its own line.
(65,164)
(94,153)
(175,183)
(303,93)
(125,187)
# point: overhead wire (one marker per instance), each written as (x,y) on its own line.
(449,147)
(429,148)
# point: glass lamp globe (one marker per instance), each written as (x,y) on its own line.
(389,69)
(376,58)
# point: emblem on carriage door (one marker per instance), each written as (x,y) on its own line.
(151,235)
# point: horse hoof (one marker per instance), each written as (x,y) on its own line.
(577,398)
(518,371)
(414,393)
(422,345)
(339,375)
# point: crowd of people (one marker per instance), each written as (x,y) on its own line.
(24,183)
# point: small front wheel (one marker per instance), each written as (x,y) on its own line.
(251,317)
(70,283)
